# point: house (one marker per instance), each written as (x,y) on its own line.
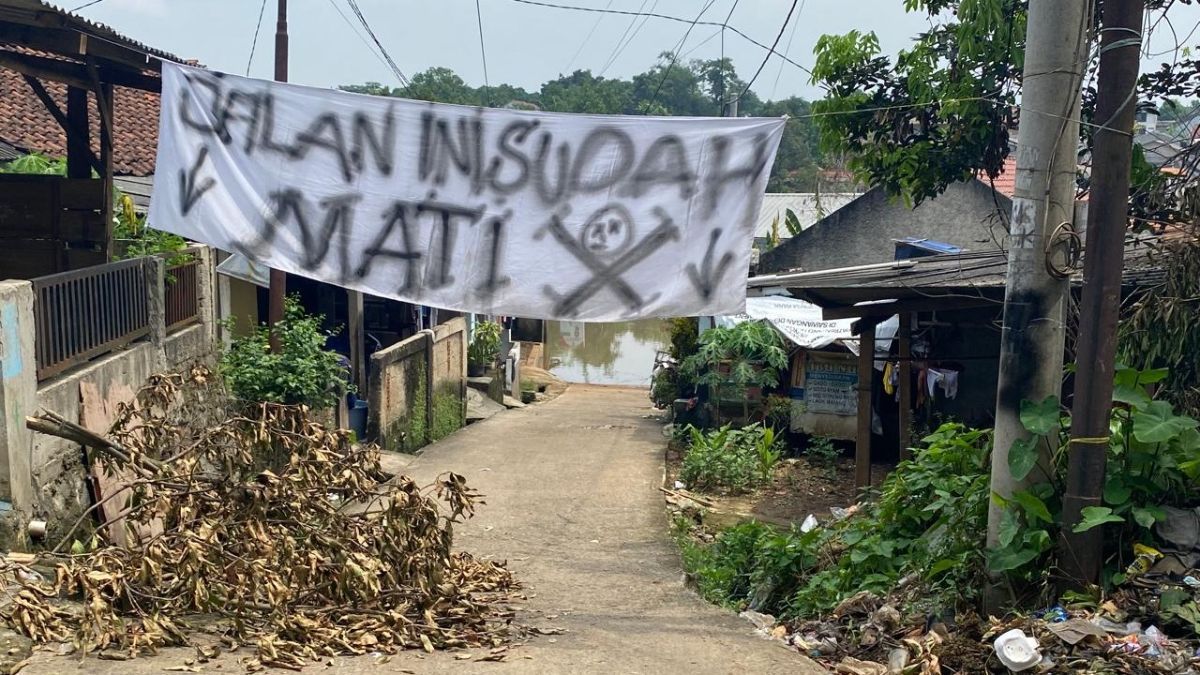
(970,215)
(809,207)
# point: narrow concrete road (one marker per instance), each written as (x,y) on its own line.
(573,504)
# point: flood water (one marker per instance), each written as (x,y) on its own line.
(605,353)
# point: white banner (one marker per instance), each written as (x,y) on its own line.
(583,217)
(798,320)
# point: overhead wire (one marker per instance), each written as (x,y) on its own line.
(254,43)
(675,54)
(482,50)
(383,50)
(587,38)
(667,17)
(778,37)
(358,33)
(621,40)
(86,5)
(788,49)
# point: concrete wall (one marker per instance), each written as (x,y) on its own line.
(417,388)
(970,215)
(44,476)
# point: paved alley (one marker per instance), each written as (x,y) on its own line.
(573,505)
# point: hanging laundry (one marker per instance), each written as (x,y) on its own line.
(943,378)
(889,378)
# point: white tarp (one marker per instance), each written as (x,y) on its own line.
(797,320)
(582,217)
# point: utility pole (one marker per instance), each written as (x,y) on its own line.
(1104,260)
(278,287)
(1033,337)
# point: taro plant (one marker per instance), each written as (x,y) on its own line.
(485,344)
(1153,461)
(749,354)
(303,371)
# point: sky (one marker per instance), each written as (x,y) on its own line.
(525,45)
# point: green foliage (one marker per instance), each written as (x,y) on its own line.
(823,454)
(1158,329)
(36,164)
(1151,462)
(302,372)
(928,520)
(728,458)
(793,223)
(448,412)
(939,112)
(748,354)
(485,343)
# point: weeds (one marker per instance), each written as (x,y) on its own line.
(733,459)
(823,455)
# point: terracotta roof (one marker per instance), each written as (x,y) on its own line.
(26,124)
(1006,182)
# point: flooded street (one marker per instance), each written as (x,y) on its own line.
(605,353)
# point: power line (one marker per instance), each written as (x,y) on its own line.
(675,53)
(86,5)
(587,38)
(778,37)
(482,50)
(254,43)
(667,17)
(621,40)
(358,33)
(732,9)
(788,49)
(366,25)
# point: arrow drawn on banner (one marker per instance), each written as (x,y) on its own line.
(705,278)
(190,193)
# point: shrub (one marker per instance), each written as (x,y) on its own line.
(485,343)
(734,459)
(302,372)
(824,455)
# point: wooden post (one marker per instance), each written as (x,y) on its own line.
(905,335)
(358,359)
(78,151)
(866,366)
(104,108)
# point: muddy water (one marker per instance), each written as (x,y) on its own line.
(605,353)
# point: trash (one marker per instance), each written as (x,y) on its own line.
(809,524)
(680,485)
(763,622)
(1073,631)
(1154,641)
(1126,645)
(852,666)
(1017,651)
(1191,581)
(1055,614)
(859,604)
(898,660)
(1180,527)
(1114,628)
(841,513)
(1143,560)
(887,618)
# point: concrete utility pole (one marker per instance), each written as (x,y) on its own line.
(1032,340)
(278,287)
(1108,210)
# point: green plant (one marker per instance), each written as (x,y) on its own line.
(1152,462)
(778,411)
(36,164)
(301,372)
(748,354)
(485,343)
(823,454)
(734,459)
(130,227)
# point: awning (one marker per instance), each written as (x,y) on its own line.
(798,321)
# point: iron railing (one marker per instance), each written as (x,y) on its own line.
(82,314)
(182,295)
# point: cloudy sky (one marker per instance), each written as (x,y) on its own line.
(526,45)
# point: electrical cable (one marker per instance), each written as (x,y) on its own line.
(778,37)
(678,19)
(254,43)
(621,40)
(383,50)
(358,33)
(787,50)
(675,55)
(482,50)
(86,5)
(587,39)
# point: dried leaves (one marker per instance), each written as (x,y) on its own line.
(285,530)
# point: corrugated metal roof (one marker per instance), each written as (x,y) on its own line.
(809,207)
(33,10)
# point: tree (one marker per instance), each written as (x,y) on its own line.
(581,91)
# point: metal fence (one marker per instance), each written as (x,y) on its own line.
(182,295)
(85,313)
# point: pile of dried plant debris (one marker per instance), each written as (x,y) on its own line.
(283,534)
